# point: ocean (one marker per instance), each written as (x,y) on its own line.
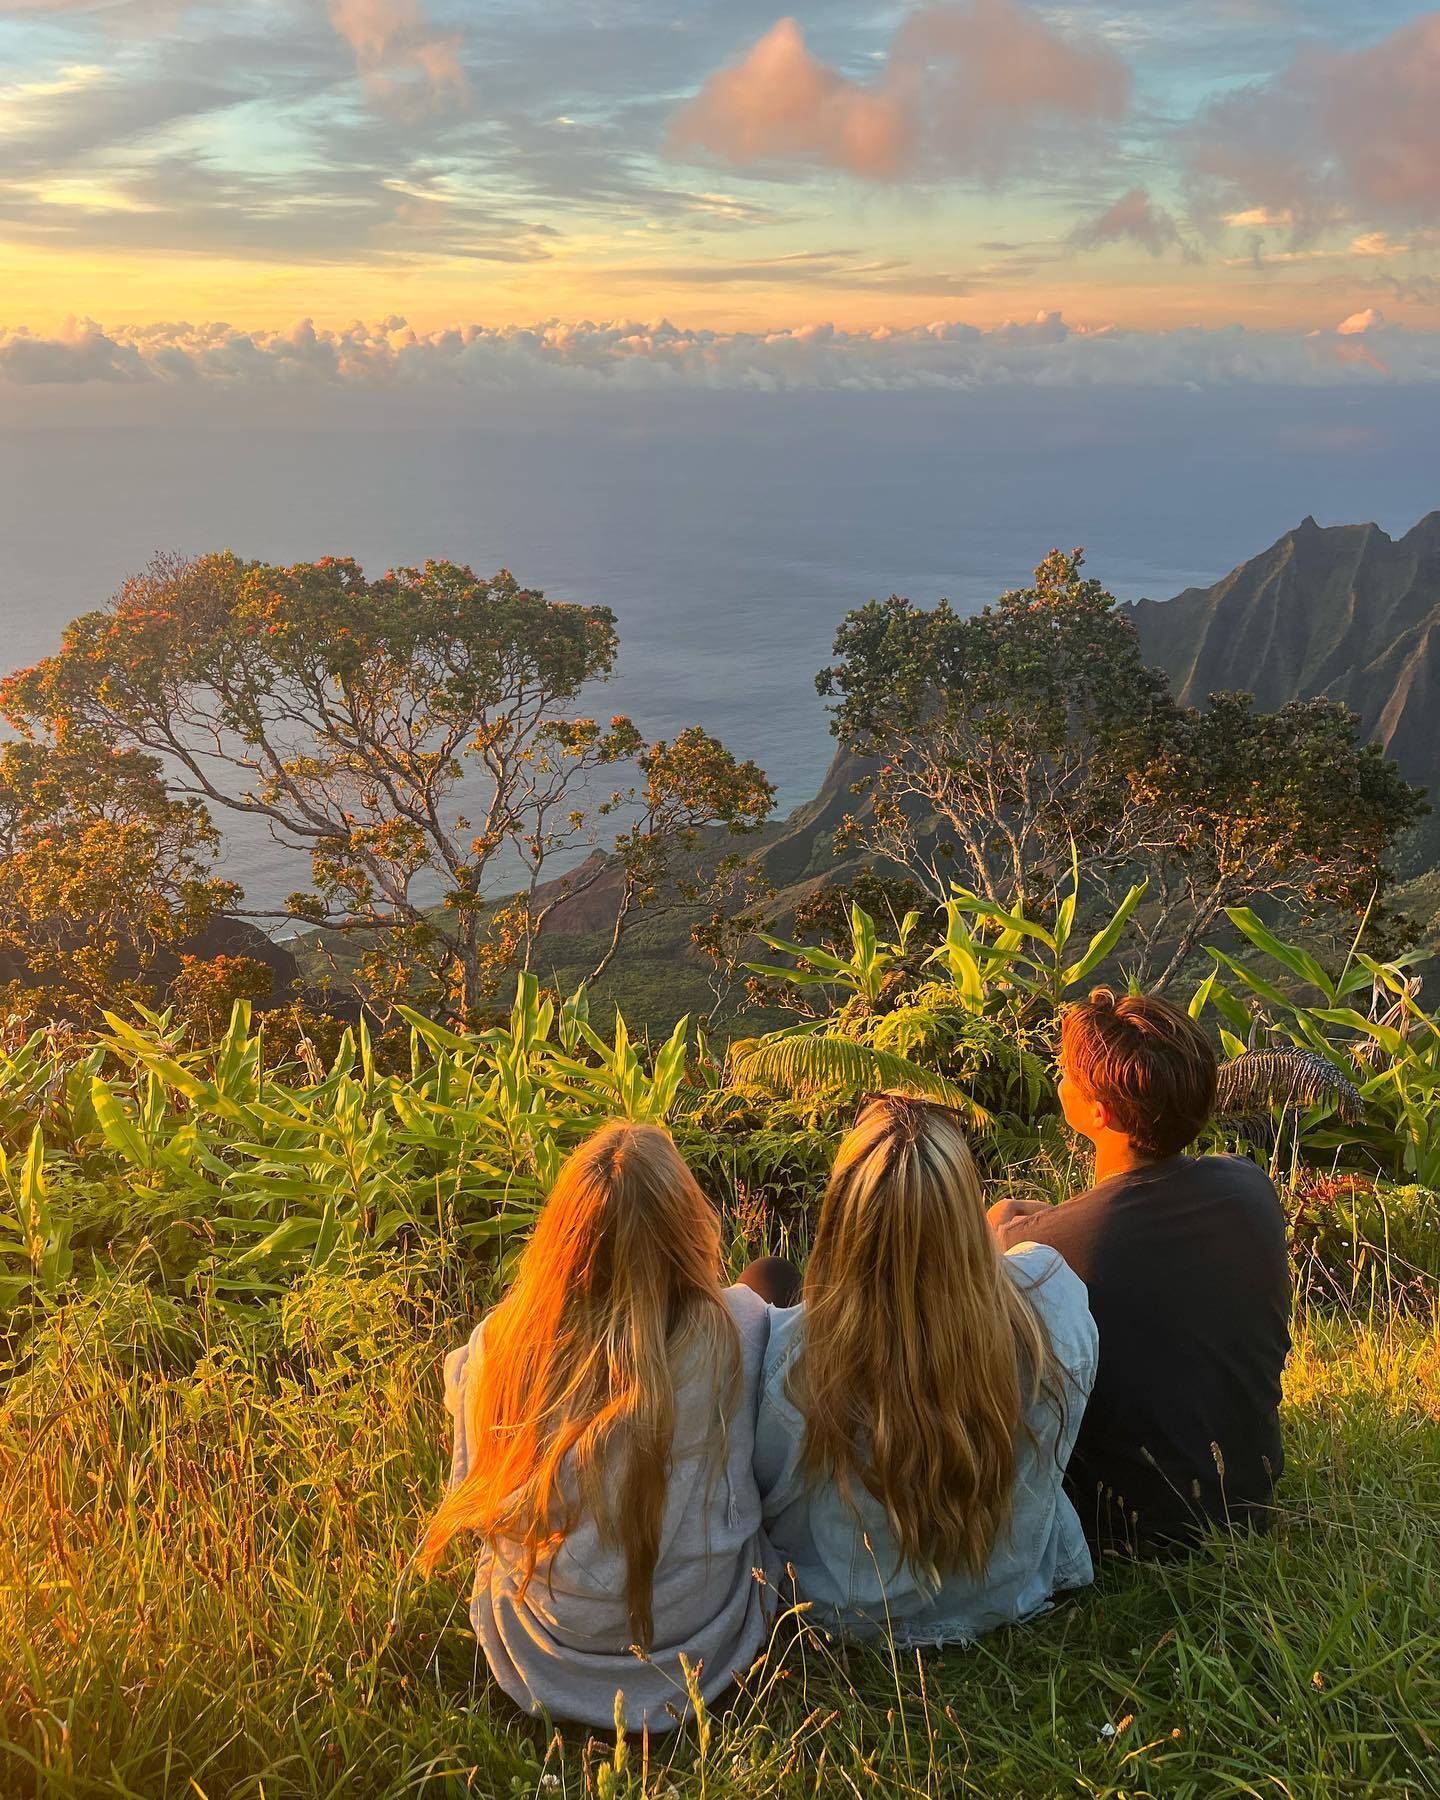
(730,532)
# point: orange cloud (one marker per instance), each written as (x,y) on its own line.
(967,89)
(400,55)
(1341,135)
(779,102)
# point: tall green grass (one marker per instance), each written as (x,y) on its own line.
(225,1291)
(207,1516)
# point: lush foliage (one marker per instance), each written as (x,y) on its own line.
(103,873)
(1002,744)
(208,1520)
(228,1283)
(416,738)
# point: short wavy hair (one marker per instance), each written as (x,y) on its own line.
(1147,1061)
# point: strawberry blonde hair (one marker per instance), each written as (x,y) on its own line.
(570,1408)
(920,1356)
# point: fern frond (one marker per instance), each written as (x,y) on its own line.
(1285,1077)
(810,1064)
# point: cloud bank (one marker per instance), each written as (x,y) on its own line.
(623,355)
(970,89)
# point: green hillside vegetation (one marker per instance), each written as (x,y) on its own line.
(1339,612)
(421,743)
(228,1284)
(240,1224)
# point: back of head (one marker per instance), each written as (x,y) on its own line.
(573,1405)
(920,1355)
(1147,1061)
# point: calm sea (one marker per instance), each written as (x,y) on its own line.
(729,532)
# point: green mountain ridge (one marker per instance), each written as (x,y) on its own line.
(1340,612)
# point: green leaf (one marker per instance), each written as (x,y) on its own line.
(813,1063)
(1299,962)
(119,1132)
(808,953)
(1105,940)
(1257,983)
(797,977)
(1016,922)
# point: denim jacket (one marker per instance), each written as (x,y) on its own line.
(863,1589)
(561,1643)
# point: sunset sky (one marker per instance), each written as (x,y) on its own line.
(1174,163)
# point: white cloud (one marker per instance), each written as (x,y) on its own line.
(1040,352)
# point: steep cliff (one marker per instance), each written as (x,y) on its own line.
(1342,611)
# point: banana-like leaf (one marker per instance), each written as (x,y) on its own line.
(810,1063)
(1104,940)
(1249,923)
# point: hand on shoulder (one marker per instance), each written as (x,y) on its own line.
(1003,1214)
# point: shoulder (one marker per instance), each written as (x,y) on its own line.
(1059,1297)
(750,1313)
(1238,1169)
(746,1307)
(1238,1181)
(459,1363)
(1045,1278)
(787,1333)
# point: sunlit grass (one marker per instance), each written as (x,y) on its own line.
(206,1519)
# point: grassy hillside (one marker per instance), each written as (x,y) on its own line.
(228,1289)
(203,1575)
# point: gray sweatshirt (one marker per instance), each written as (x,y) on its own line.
(863,1589)
(564,1647)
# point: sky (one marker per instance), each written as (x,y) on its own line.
(716,191)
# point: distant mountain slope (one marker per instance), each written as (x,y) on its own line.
(1342,611)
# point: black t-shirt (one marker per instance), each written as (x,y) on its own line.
(1186,1264)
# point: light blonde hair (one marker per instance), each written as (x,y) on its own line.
(921,1356)
(572,1406)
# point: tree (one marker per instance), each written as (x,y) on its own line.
(1287,806)
(1013,731)
(204,990)
(1006,744)
(686,785)
(419,737)
(103,872)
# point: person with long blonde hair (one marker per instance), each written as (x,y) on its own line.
(604,1432)
(918,1405)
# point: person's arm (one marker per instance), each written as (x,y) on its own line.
(458,1366)
(1005,1214)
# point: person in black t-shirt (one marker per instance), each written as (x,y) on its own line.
(1185,1262)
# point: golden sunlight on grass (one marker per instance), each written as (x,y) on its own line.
(207,1516)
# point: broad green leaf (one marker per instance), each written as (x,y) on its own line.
(120,1133)
(1104,940)
(1249,923)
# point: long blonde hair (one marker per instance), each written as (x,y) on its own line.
(572,1407)
(921,1356)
